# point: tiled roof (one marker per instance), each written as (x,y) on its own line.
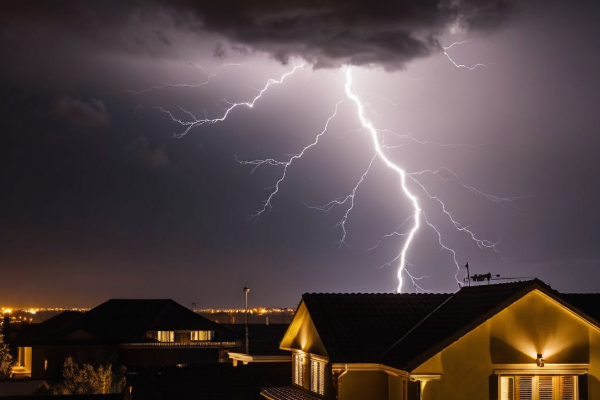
(462,312)
(360,327)
(287,393)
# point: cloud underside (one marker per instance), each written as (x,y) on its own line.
(332,33)
(325,33)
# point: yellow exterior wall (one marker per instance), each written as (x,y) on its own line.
(397,386)
(363,385)
(533,324)
(594,374)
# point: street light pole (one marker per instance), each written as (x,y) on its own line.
(246,290)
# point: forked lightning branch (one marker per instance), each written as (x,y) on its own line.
(409,186)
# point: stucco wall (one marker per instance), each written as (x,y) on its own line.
(362,385)
(534,324)
(594,374)
(396,388)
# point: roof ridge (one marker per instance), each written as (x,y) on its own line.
(163,310)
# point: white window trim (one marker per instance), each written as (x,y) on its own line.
(548,369)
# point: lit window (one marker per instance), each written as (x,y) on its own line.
(317,376)
(538,387)
(21,357)
(202,335)
(166,336)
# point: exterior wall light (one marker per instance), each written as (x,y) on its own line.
(539,361)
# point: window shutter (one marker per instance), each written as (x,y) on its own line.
(545,388)
(314,379)
(525,388)
(567,388)
(321,378)
(317,381)
(298,369)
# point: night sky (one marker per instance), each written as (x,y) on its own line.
(103,197)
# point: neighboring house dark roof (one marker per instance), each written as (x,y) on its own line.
(264,339)
(360,327)
(120,321)
(55,330)
(126,320)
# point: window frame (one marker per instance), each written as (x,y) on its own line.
(510,386)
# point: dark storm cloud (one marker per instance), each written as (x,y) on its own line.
(324,33)
(66,38)
(331,33)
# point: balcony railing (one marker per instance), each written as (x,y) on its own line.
(200,343)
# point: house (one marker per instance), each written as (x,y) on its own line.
(520,340)
(139,334)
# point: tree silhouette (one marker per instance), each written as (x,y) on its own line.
(5,359)
(87,379)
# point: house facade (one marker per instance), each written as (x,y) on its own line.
(509,341)
(139,334)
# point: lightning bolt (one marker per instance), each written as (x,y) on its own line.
(195,122)
(343,200)
(174,85)
(457,65)
(267,204)
(366,123)
(417,216)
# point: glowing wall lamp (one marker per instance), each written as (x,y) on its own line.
(539,361)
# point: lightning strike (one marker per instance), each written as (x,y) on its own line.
(377,137)
(457,65)
(196,122)
(342,200)
(175,85)
(267,204)
(366,123)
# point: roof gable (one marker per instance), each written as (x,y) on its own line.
(360,327)
(302,334)
(461,313)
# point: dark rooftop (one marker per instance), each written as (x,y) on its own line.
(121,321)
(360,327)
